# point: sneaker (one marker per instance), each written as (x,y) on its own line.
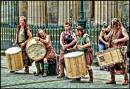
(44,74)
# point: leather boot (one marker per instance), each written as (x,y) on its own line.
(61,72)
(12,71)
(26,69)
(112,81)
(42,68)
(90,76)
(38,69)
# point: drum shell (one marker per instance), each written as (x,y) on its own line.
(75,66)
(15,61)
(33,42)
(109,57)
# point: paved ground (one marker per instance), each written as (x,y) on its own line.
(21,80)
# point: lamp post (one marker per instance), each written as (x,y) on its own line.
(81,21)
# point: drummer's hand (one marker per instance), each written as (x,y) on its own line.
(14,43)
(37,39)
(115,41)
(63,47)
(22,44)
(79,46)
(107,44)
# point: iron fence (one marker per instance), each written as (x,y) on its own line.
(9,21)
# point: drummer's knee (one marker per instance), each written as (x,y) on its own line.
(89,67)
(45,60)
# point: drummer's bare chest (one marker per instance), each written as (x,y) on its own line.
(117,35)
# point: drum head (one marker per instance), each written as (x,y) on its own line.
(35,49)
(13,50)
(73,54)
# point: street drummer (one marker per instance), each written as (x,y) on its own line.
(103,43)
(23,33)
(118,38)
(67,41)
(83,44)
(50,55)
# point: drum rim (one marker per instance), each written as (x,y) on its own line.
(19,49)
(39,43)
(104,51)
(99,54)
(81,53)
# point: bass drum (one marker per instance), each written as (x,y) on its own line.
(35,49)
(14,58)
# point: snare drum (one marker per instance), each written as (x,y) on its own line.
(109,57)
(14,58)
(75,64)
(35,49)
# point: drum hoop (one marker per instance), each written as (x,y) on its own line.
(19,50)
(108,50)
(81,53)
(39,43)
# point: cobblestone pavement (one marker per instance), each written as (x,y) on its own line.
(21,80)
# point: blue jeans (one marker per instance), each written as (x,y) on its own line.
(101,46)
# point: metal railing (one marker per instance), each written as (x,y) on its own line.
(9,22)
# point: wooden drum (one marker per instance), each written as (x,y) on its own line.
(35,49)
(109,57)
(14,58)
(75,64)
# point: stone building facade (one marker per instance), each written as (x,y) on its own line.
(57,12)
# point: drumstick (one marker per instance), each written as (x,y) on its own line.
(74,48)
(14,44)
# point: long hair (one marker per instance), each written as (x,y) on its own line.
(38,35)
(25,29)
(25,26)
(79,28)
(116,22)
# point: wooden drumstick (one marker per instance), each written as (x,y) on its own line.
(71,49)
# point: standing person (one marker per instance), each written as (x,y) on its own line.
(104,42)
(67,40)
(118,38)
(83,44)
(50,55)
(23,33)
